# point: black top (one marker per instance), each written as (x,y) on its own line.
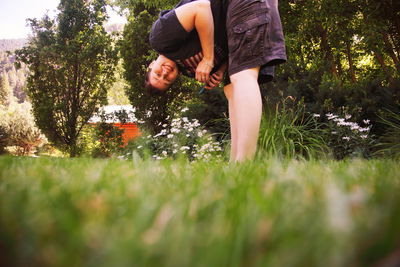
(169,38)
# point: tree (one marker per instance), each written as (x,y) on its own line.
(5,91)
(72,61)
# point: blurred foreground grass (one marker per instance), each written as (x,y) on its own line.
(87,212)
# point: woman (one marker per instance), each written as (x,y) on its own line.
(253,33)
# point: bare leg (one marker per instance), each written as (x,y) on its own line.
(246,111)
(232,121)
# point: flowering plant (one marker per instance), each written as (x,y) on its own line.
(346,137)
(180,137)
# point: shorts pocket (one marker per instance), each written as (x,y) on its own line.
(244,8)
(248,36)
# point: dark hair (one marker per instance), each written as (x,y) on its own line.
(151,90)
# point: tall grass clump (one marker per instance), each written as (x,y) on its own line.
(287,130)
(389,144)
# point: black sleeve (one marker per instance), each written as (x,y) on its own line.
(167,34)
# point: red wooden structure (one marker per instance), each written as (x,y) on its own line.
(131,130)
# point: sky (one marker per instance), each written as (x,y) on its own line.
(13,15)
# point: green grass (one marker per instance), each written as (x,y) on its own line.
(86,212)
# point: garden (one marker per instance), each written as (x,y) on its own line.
(322,190)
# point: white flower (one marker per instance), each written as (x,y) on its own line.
(346,138)
(139,147)
(364,136)
(331,116)
(185,119)
(347,116)
(165,153)
(170,136)
(184,109)
(339,121)
(364,129)
(316,115)
(199,134)
(184,148)
(174,151)
(164,125)
(366,121)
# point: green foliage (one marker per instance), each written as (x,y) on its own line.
(102,139)
(12,80)
(72,61)
(291,132)
(18,128)
(109,140)
(85,212)
(3,139)
(6,95)
(389,143)
(116,94)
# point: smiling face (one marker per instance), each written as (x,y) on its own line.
(163,73)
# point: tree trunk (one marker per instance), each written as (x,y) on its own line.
(326,49)
(396,45)
(383,65)
(351,64)
(339,65)
(389,50)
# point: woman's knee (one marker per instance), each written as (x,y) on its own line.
(245,75)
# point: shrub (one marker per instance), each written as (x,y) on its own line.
(101,139)
(108,140)
(18,126)
(3,139)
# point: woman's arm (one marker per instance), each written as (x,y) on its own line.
(197,15)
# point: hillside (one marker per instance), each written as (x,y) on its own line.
(11,44)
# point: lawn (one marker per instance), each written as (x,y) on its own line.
(91,212)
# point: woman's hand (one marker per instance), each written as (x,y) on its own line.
(203,70)
(215,79)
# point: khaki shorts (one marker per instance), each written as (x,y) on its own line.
(255,37)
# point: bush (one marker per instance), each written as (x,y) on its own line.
(101,139)
(18,126)
(108,140)
(3,140)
